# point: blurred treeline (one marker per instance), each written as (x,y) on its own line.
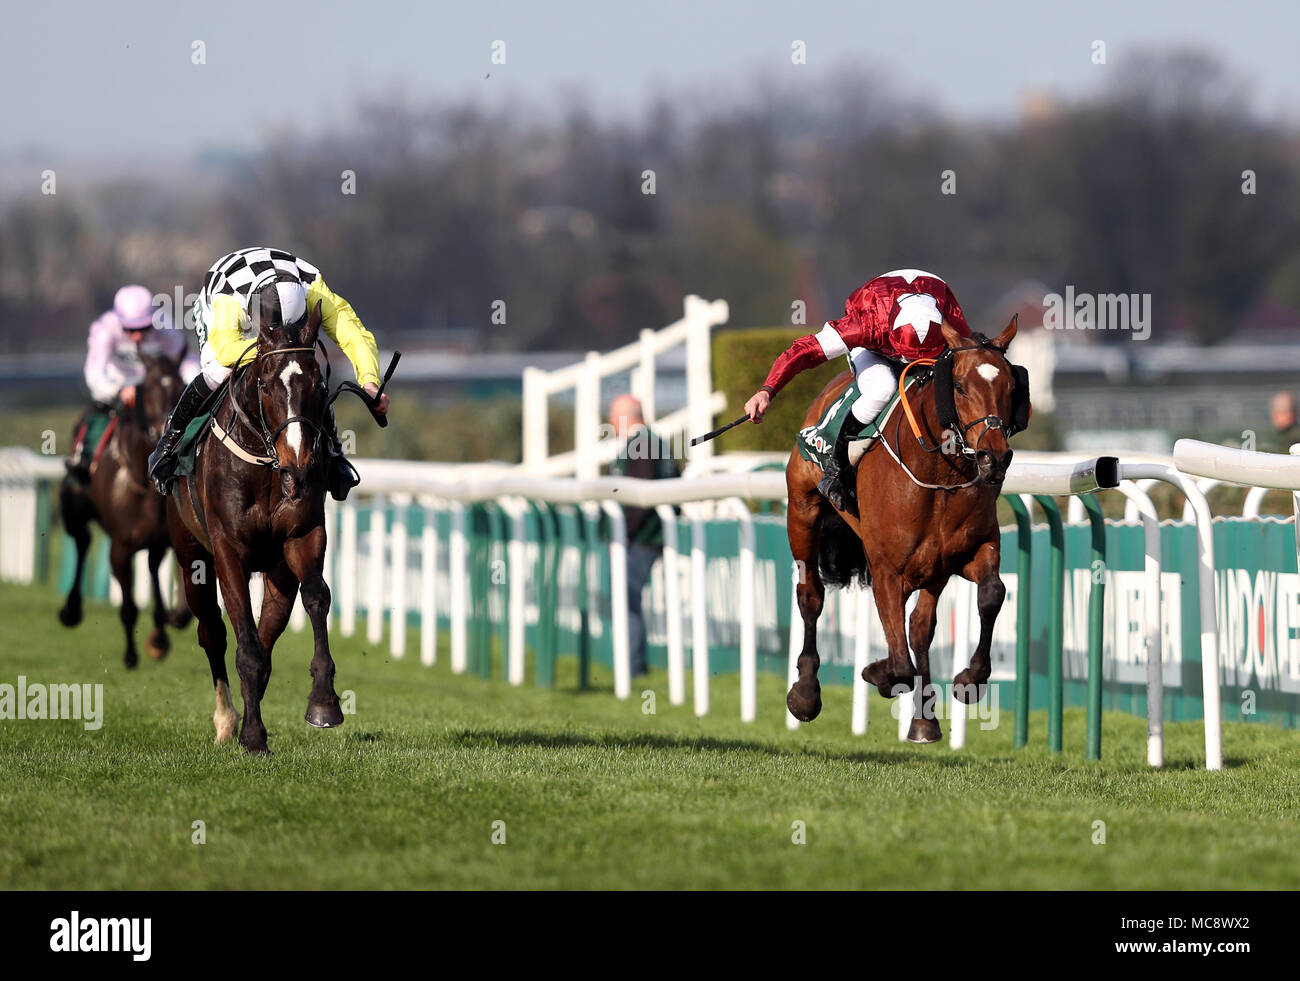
(791,192)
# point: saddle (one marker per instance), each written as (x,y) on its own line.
(816,443)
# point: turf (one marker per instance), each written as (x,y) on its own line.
(593,791)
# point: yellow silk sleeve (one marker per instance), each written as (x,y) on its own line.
(225,335)
(342,325)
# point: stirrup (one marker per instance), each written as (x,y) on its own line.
(163,477)
(343,476)
(832,488)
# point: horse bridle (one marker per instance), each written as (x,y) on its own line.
(948,419)
(261,429)
(941,378)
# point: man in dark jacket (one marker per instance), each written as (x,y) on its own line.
(643,455)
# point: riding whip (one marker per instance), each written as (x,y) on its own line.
(718,432)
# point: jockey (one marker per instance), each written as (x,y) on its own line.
(114,369)
(226,329)
(888,322)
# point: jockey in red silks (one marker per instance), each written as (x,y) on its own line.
(114,368)
(890,321)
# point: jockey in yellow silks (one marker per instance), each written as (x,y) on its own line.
(226,331)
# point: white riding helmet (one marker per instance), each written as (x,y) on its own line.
(134,307)
(292,296)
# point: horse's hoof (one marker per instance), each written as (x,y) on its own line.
(70,616)
(966,689)
(924,731)
(225,729)
(179,619)
(131,660)
(877,673)
(257,751)
(324,715)
(158,645)
(802,708)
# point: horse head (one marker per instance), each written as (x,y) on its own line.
(291,396)
(983,404)
(158,392)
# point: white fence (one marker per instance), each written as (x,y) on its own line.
(583,379)
(392,573)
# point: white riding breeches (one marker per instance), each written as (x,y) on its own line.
(876,383)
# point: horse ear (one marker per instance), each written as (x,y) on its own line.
(1004,339)
(313,326)
(950,335)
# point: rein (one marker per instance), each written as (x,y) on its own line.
(260,428)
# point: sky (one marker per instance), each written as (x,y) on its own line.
(102,80)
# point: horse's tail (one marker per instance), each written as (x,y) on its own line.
(840,558)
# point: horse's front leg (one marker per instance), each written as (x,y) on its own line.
(119,557)
(251,659)
(970,684)
(74,504)
(804,700)
(925,723)
(306,558)
(158,644)
(894,674)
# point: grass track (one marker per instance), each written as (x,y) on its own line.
(593,792)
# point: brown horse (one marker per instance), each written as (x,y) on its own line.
(916,529)
(121,499)
(260,510)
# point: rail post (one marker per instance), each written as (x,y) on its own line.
(1024,541)
(1056,625)
(1096,621)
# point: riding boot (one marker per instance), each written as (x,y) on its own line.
(833,485)
(78,461)
(162,461)
(340,475)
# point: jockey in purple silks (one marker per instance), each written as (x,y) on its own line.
(114,368)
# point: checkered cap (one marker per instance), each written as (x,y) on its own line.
(243,273)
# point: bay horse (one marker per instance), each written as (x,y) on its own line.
(928,510)
(120,498)
(260,510)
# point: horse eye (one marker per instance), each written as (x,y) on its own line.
(957,388)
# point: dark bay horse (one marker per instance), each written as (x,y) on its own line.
(916,530)
(257,504)
(121,499)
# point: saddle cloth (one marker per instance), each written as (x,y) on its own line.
(816,443)
(187,451)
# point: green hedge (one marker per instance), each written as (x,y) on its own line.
(741,361)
